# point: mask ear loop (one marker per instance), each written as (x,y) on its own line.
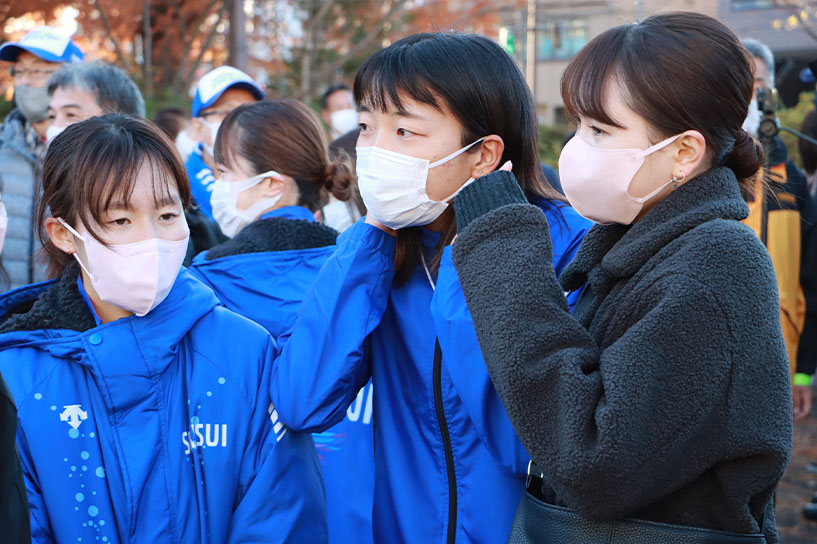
(455,154)
(70,229)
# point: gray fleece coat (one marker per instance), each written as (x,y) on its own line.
(666,396)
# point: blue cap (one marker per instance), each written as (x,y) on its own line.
(807,76)
(214,83)
(45,42)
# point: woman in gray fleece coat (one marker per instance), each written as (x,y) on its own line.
(666,396)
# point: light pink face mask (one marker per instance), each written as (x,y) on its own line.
(136,277)
(597,181)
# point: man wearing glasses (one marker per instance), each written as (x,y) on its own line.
(218,93)
(40,53)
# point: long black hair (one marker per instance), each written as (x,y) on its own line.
(473,78)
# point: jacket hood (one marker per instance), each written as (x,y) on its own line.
(623,249)
(53,316)
(13,134)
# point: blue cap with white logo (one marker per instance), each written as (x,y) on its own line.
(46,43)
(214,84)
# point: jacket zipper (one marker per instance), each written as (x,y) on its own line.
(449,453)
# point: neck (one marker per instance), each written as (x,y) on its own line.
(442,223)
(106,312)
(41,127)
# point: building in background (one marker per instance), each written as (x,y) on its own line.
(785,31)
(562,27)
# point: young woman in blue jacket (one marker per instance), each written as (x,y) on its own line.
(144,408)
(436,111)
(274,175)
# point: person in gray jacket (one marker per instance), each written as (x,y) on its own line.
(665,397)
(36,56)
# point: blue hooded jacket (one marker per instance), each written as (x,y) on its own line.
(201,180)
(263,274)
(155,428)
(446,455)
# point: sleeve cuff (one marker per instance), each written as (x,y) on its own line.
(485,194)
(802,380)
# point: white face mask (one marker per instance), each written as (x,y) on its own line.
(224,200)
(213,126)
(393,186)
(343,121)
(136,277)
(185,145)
(52,132)
(753,118)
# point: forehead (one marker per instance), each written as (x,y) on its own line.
(761,71)
(237,165)
(406,107)
(232,98)
(153,187)
(74,96)
(615,105)
(341,96)
(29,59)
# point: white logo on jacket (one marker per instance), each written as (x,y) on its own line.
(74,415)
(201,434)
(277,426)
(362,406)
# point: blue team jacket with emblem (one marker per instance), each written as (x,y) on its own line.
(155,428)
(201,180)
(263,274)
(446,456)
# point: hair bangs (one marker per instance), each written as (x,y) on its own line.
(110,172)
(390,76)
(585,80)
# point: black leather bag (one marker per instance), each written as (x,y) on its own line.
(538,522)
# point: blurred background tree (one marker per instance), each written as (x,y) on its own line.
(296,47)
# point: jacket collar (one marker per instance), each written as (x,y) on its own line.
(54,311)
(17,135)
(622,250)
(290,212)
(274,234)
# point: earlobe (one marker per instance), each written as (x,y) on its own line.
(273,185)
(690,154)
(59,235)
(489,156)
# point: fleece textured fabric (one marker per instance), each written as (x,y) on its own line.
(275,234)
(263,274)
(666,395)
(154,428)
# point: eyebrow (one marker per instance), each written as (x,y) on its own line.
(161,203)
(401,112)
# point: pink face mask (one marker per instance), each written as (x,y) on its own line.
(597,181)
(135,277)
